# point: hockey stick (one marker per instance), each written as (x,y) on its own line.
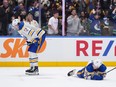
(25,44)
(111,70)
(22,46)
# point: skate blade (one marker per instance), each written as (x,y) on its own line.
(35,73)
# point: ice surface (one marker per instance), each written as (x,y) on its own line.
(50,77)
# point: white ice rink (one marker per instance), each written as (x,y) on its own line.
(50,77)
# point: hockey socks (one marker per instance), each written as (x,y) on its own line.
(33,65)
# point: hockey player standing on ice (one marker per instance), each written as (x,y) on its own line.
(95,70)
(35,38)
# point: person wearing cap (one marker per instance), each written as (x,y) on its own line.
(95,70)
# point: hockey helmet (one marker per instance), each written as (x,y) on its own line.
(97,63)
(15,22)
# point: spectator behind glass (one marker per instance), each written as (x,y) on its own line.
(43,15)
(30,20)
(20,11)
(34,9)
(114,20)
(95,27)
(74,26)
(5,16)
(85,23)
(105,4)
(53,24)
(11,30)
(114,15)
(107,25)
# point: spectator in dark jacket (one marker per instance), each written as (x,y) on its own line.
(95,27)
(5,16)
(20,11)
(105,4)
(34,10)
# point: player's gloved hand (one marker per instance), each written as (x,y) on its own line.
(87,77)
(96,73)
(104,75)
(29,43)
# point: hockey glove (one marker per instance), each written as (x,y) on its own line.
(29,43)
(87,77)
(101,73)
(104,75)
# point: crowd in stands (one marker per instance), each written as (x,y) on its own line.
(96,17)
(82,17)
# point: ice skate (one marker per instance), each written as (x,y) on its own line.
(71,73)
(32,71)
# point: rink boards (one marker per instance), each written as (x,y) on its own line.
(59,51)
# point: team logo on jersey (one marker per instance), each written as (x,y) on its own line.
(36,14)
(97,27)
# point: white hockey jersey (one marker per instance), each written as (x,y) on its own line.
(30,32)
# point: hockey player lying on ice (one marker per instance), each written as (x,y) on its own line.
(35,38)
(95,70)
